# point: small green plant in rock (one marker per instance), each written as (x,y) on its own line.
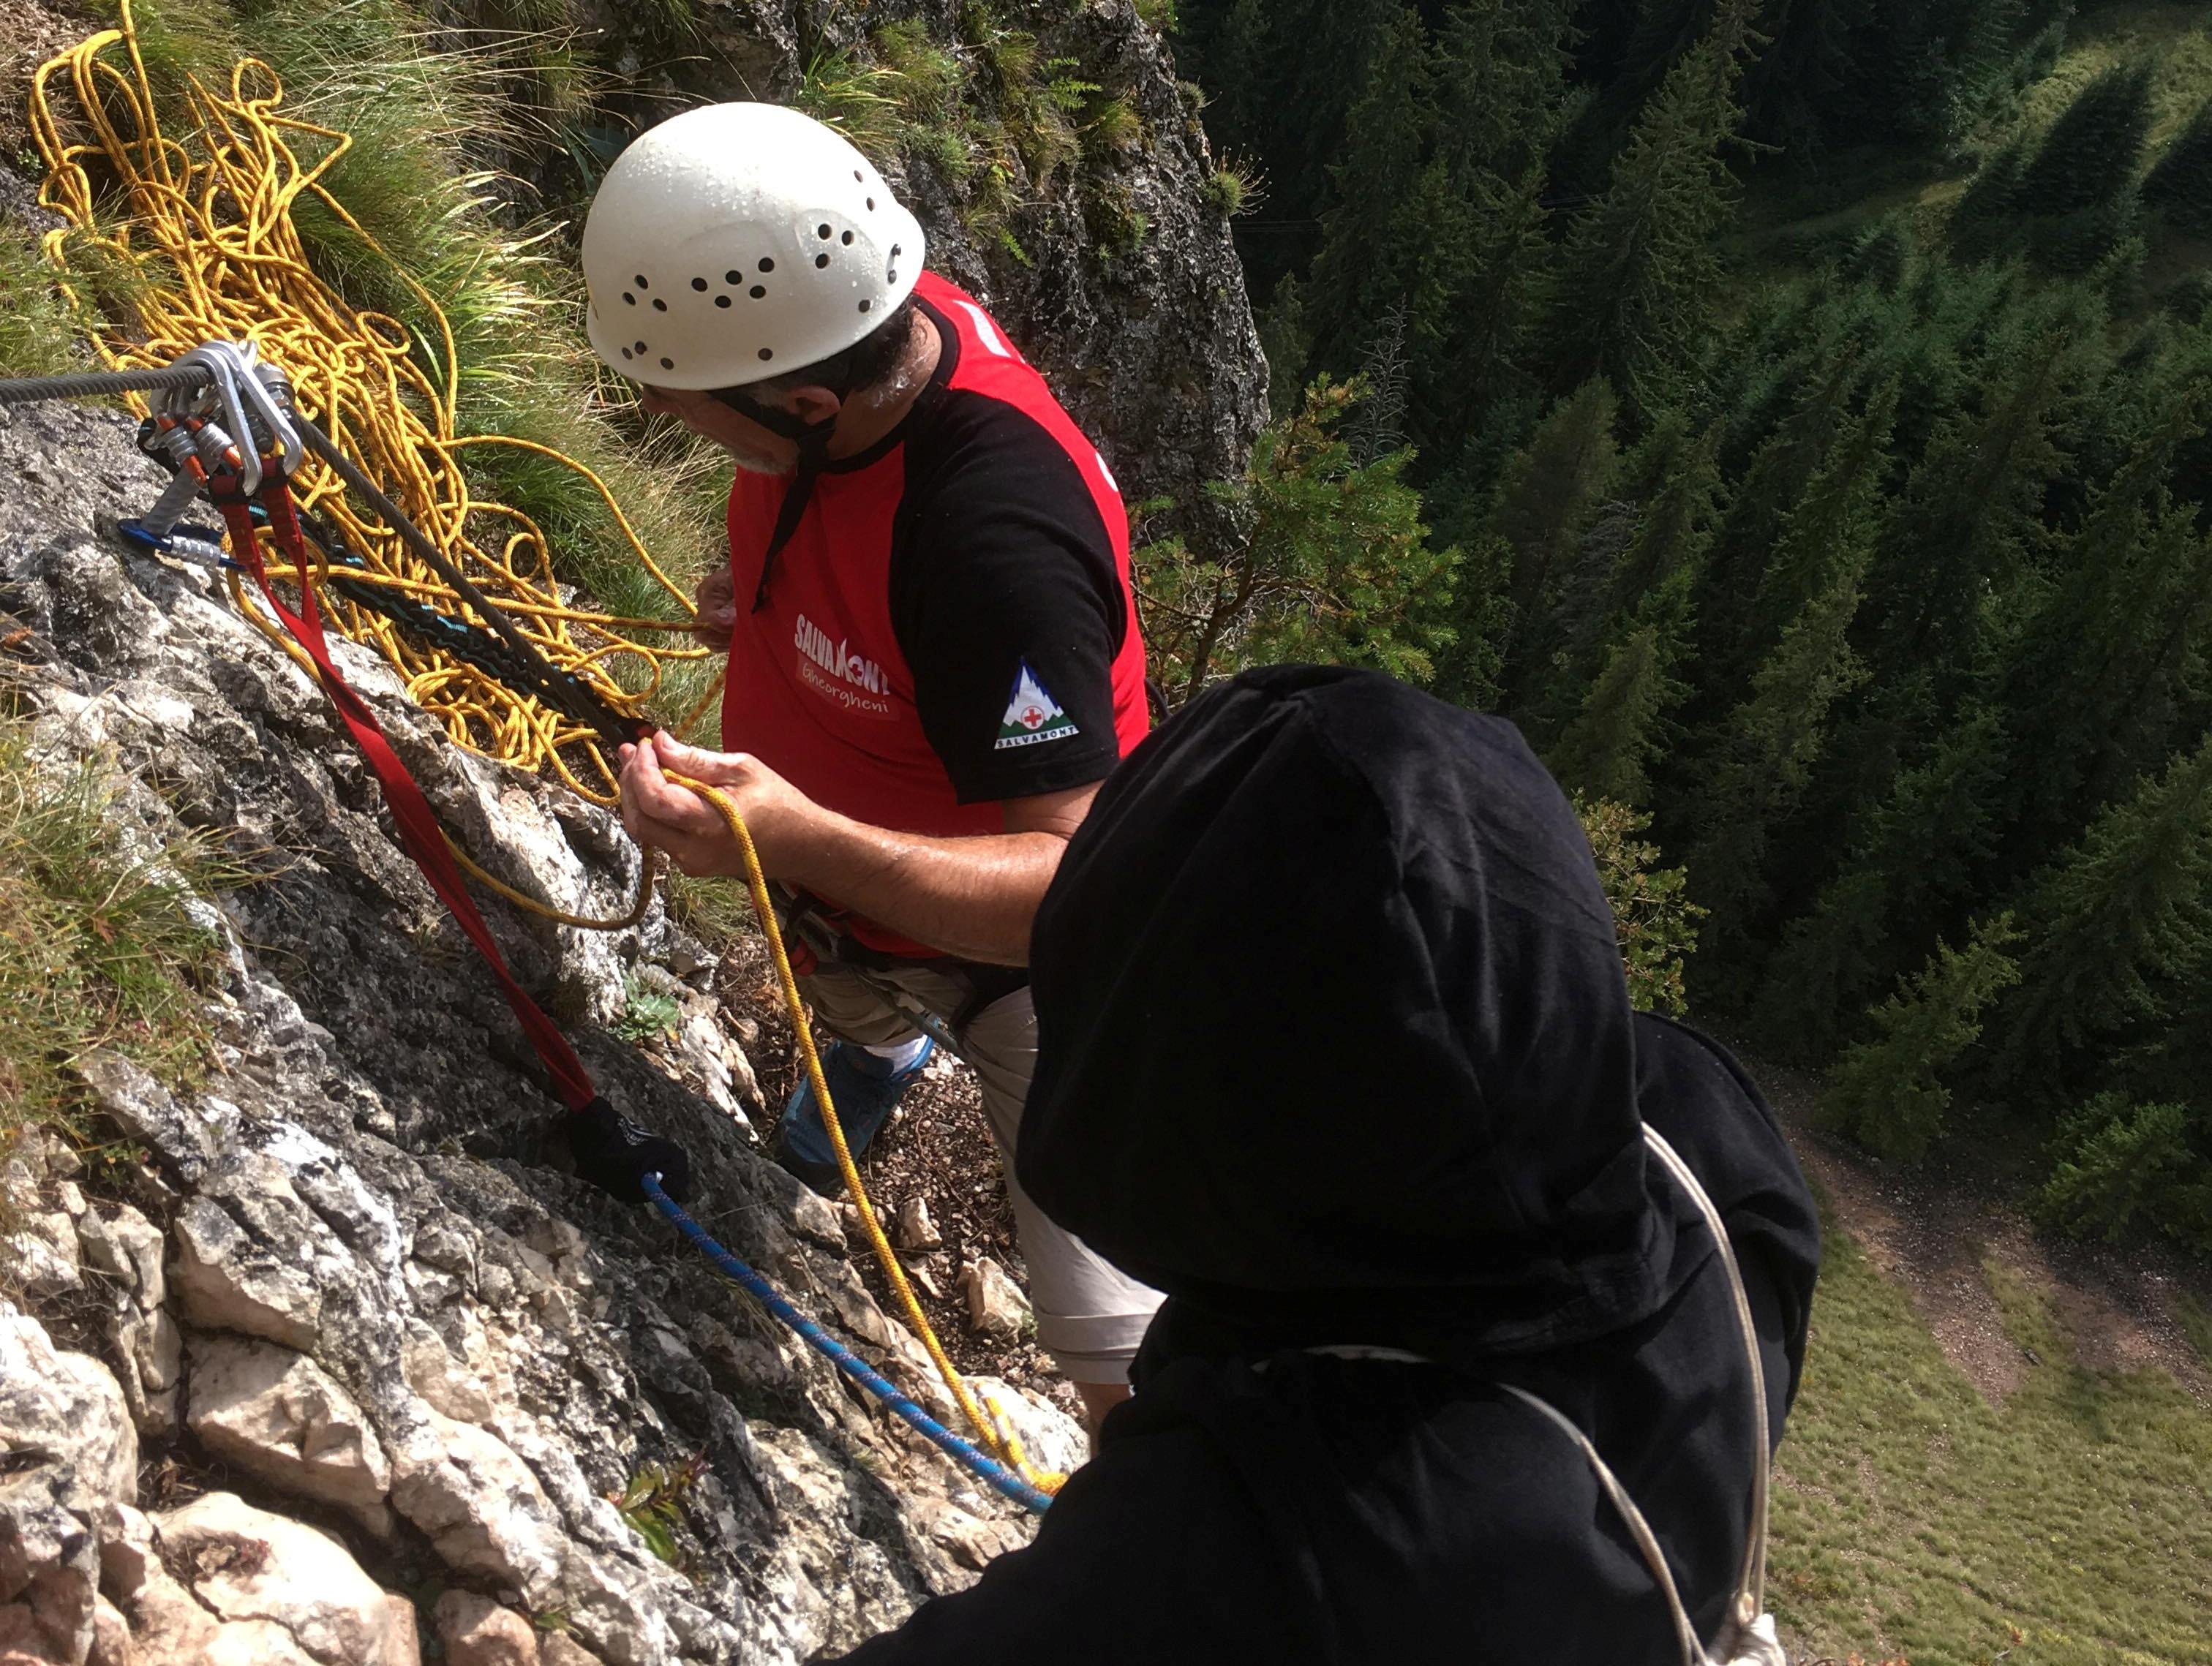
(653,1504)
(1234,189)
(646,1013)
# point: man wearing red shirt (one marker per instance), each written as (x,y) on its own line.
(933,649)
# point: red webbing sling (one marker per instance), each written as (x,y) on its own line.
(420,834)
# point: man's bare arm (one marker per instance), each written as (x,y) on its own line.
(973,897)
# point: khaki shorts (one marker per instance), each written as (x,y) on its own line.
(1089,1317)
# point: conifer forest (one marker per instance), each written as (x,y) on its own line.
(1809,405)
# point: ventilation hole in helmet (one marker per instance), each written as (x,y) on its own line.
(641,348)
(700,284)
(722,300)
(629,298)
(892,276)
(821,261)
(668,364)
(766,354)
(865,305)
(896,251)
(658,304)
(823,232)
(734,277)
(847,239)
(627,354)
(639,280)
(857,178)
(871,205)
(767,265)
(758,291)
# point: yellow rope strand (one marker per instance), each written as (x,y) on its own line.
(996,1440)
(205,224)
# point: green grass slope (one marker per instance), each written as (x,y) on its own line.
(1790,210)
(2072,1522)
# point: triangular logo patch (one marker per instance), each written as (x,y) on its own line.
(1033,716)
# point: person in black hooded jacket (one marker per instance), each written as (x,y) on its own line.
(1336,1050)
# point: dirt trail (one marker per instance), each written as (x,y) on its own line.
(1938,1233)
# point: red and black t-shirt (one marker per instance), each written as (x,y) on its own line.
(950,624)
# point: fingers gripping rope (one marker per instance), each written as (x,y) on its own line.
(991,1472)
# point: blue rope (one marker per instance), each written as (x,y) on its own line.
(985,1469)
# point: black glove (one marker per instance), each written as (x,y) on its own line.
(614,1154)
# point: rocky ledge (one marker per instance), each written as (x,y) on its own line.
(334,1364)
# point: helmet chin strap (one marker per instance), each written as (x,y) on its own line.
(812,439)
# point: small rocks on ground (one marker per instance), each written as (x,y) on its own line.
(916,1230)
(996,1305)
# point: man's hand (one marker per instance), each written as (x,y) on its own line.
(781,820)
(718,610)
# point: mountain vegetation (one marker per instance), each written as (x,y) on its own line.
(1800,421)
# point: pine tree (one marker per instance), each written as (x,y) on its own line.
(1888,1092)
(1338,567)
(1382,245)
(1639,278)
(1605,751)
(2127,907)
(2180,185)
(1501,69)
(2094,683)
(2080,190)
(1972,515)
(1766,750)
(1549,493)
(2116,1162)
(1834,522)
(1918,859)
(2091,152)
(1789,93)
(1673,478)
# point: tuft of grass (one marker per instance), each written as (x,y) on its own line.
(717,911)
(99,948)
(2070,1524)
(37,336)
(1235,189)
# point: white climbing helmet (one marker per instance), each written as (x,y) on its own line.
(737,241)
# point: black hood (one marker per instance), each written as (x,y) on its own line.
(1334,1040)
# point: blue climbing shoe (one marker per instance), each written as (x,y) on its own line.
(865,1088)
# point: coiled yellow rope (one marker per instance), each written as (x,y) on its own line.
(217,211)
(212,215)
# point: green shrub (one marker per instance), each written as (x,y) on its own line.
(1651,908)
(1337,567)
(1889,1091)
(2121,1165)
